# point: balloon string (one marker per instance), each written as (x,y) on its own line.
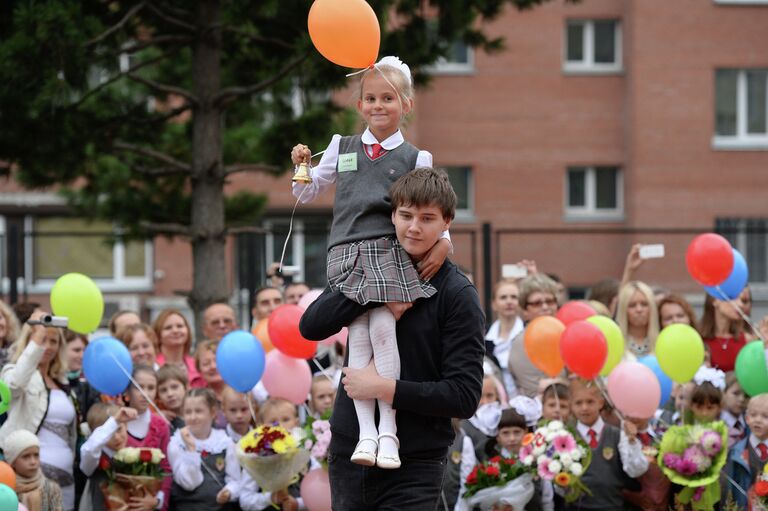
(138,387)
(740,312)
(290,228)
(608,399)
(372,66)
(250,407)
(322,369)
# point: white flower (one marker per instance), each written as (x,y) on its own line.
(576,454)
(157,456)
(127,455)
(541,459)
(566,460)
(577,469)
(539,449)
(528,460)
(555,466)
(550,436)
(555,426)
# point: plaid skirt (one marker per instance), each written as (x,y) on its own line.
(377,270)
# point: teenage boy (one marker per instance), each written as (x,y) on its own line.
(441,345)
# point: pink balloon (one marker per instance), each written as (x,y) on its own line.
(634,390)
(340,336)
(316,490)
(309,297)
(287,377)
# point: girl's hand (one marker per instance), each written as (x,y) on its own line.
(37,333)
(434,259)
(223,496)
(146,503)
(189,440)
(631,431)
(300,154)
(125,415)
(398,308)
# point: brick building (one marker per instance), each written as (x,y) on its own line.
(602,124)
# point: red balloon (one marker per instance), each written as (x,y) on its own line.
(709,259)
(584,349)
(574,311)
(284,332)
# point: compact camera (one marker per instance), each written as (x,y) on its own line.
(51,321)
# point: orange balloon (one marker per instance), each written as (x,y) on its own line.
(261,332)
(542,344)
(346,32)
(7,475)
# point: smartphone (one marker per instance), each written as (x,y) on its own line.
(513,271)
(652,251)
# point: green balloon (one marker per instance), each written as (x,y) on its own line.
(751,368)
(8,498)
(5,397)
(78,298)
(613,338)
(680,352)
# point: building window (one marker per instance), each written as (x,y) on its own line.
(461,180)
(306,250)
(741,109)
(594,193)
(58,245)
(750,237)
(460,60)
(592,46)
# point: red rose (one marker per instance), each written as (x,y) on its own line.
(472,477)
(495,459)
(204,454)
(492,471)
(761,488)
(104,462)
(145,456)
(510,461)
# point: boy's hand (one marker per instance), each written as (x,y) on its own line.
(434,259)
(631,431)
(398,308)
(148,502)
(125,415)
(300,154)
(223,496)
(188,439)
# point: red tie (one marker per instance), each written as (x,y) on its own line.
(593,438)
(763,451)
(376,151)
(645,438)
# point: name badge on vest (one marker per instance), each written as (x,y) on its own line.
(348,162)
(608,453)
(456,457)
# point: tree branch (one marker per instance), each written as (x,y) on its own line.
(155,41)
(163,88)
(247,167)
(114,28)
(257,38)
(157,171)
(157,155)
(170,114)
(171,19)
(166,228)
(229,94)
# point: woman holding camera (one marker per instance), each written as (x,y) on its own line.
(41,401)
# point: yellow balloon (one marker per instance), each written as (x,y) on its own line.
(613,338)
(680,352)
(79,299)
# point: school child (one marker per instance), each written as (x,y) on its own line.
(204,461)
(748,456)
(707,395)
(237,412)
(148,429)
(172,385)
(365,261)
(481,427)
(655,488)
(734,406)
(555,402)
(617,455)
(22,452)
(321,395)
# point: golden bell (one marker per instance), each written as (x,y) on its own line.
(302,174)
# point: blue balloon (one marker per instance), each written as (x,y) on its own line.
(240,360)
(107,365)
(8,498)
(732,287)
(665,382)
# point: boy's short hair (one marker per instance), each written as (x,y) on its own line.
(758,400)
(98,414)
(587,385)
(559,390)
(274,402)
(425,186)
(172,372)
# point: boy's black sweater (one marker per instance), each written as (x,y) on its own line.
(441,345)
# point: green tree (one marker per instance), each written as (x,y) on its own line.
(141,110)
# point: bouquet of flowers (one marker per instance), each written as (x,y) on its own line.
(558,454)
(132,472)
(272,456)
(499,480)
(317,438)
(760,489)
(692,456)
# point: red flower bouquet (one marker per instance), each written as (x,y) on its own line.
(499,480)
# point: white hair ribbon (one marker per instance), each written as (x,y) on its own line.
(714,376)
(529,408)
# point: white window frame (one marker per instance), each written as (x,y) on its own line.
(588,65)
(742,140)
(119,283)
(742,239)
(296,241)
(444,66)
(466,214)
(590,211)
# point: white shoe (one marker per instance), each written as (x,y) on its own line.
(388,462)
(365,457)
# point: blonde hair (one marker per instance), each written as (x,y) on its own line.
(58,368)
(202,348)
(394,77)
(159,323)
(625,295)
(274,402)
(98,414)
(125,335)
(11,324)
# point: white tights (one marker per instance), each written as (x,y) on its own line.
(373,335)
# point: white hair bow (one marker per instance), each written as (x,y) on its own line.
(528,408)
(397,64)
(714,376)
(486,418)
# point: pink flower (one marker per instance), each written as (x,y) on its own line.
(695,454)
(320,426)
(564,443)
(544,471)
(711,443)
(307,444)
(525,451)
(671,460)
(687,467)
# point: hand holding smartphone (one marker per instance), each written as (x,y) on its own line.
(655,251)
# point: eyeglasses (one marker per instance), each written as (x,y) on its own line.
(550,302)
